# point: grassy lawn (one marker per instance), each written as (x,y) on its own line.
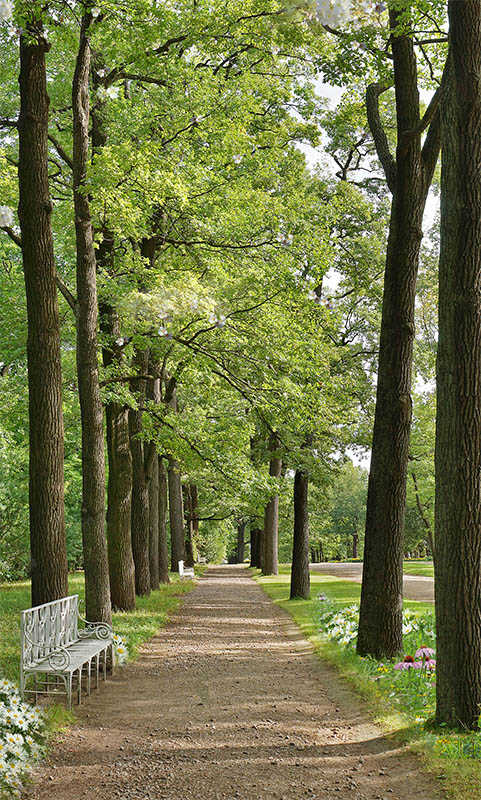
(136,626)
(457,768)
(419,568)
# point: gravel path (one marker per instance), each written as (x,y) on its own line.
(228,702)
(416,587)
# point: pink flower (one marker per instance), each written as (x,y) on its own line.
(431,664)
(424,652)
(408,663)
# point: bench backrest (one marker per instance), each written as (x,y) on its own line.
(49,627)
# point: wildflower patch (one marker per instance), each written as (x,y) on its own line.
(409,683)
(22,739)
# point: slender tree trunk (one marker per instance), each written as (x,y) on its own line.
(96,568)
(425,521)
(140,488)
(409,178)
(119,486)
(194,499)
(152,472)
(176,506)
(163,549)
(189,528)
(458,429)
(176,515)
(154,524)
(241,529)
(300,577)
(255,535)
(46,484)
(121,560)
(355,544)
(270,564)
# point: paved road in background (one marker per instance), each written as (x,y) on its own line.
(416,587)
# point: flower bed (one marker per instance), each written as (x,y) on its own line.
(22,739)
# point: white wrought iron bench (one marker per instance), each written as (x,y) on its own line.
(53,645)
(186,572)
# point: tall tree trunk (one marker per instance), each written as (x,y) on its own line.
(163,549)
(355,544)
(176,506)
(46,482)
(270,564)
(241,529)
(152,472)
(140,488)
(119,486)
(189,527)
(458,431)
(194,499)
(409,178)
(176,515)
(154,524)
(300,577)
(96,568)
(255,537)
(121,560)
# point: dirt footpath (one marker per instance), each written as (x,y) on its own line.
(228,701)
(415,587)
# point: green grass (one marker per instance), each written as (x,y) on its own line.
(425,568)
(456,768)
(136,626)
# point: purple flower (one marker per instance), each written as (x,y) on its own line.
(424,652)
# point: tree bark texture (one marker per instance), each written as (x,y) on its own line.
(154,524)
(189,528)
(458,429)
(270,564)
(176,515)
(300,577)
(121,560)
(255,536)
(119,486)
(241,529)
(152,472)
(46,439)
(140,488)
(96,568)
(163,549)
(409,178)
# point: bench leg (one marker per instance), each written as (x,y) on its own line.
(80,686)
(113,657)
(105,664)
(97,670)
(89,677)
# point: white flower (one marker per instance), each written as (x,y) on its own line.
(6,10)
(6,221)
(333,12)
(95,12)
(237,159)
(112,92)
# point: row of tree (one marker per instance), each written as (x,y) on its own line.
(235,296)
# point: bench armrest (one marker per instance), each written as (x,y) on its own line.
(57,659)
(95,630)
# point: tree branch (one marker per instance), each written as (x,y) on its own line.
(60,150)
(67,294)
(379,134)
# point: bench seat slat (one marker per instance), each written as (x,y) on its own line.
(79,653)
